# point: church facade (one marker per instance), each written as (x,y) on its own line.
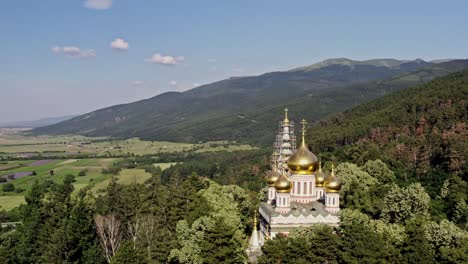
(300,194)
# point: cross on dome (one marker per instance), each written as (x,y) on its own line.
(286,120)
(303,123)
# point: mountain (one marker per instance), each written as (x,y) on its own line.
(390,63)
(242,108)
(419,129)
(37,123)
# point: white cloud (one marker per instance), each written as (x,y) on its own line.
(165,59)
(74,52)
(98,4)
(119,44)
(173,83)
(137,83)
(195,84)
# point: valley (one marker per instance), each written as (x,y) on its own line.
(48,159)
(400,163)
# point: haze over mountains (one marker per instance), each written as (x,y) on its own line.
(37,123)
(242,108)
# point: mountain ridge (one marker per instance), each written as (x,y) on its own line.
(210,112)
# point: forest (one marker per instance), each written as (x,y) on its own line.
(404,198)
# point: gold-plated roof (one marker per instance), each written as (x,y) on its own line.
(283,184)
(303,161)
(286,120)
(332,184)
(320,176)
(273,175)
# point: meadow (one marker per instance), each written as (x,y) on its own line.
(22,146)
(25,159)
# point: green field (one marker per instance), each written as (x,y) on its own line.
(126,176)
(9,202)
(164,166)
(18,145)
(7,165)
(93,178)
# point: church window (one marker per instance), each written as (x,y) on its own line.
(305,187)
(298,188)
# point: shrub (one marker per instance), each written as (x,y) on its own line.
(19,190)
(8,187)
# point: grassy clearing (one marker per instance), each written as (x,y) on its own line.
(126,177)
(9,202)
(165,165)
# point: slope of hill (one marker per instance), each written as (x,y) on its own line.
(242,108)
(420,129)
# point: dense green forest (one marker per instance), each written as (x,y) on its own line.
(420,132)
(243,108)
(395,209)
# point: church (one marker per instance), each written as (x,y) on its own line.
(300,194)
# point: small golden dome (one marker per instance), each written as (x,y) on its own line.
(320,176)
(273,176)
(283,184)
(332,184)
(303,161)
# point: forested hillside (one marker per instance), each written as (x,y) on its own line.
(423,128)
(242,108)
(401,160)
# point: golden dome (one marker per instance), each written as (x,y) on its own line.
(283,184)
(320,176)
(273,176)
(286,120)
(332,184)
(303,161)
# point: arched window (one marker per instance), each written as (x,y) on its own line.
(305,187)
(310,187)
(298,188)
(333,200)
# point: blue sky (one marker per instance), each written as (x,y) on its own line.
(175,45)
